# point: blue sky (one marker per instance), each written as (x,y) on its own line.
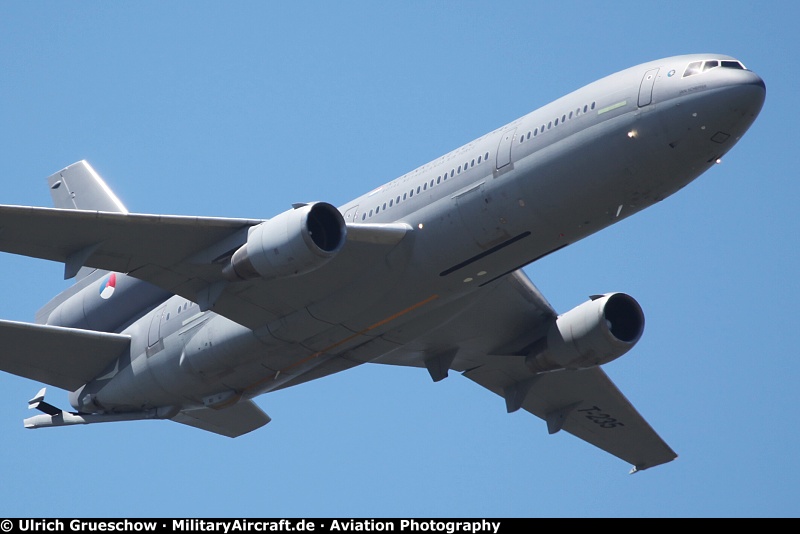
(241,108)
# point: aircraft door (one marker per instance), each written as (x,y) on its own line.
(154,334)
(504,148)
(350,215)
(646,88)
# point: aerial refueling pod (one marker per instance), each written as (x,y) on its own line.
(596,332)
(295,242)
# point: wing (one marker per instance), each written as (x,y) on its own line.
(63,357)
(487,343)
(185,255)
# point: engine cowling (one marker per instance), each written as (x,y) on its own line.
(593,333)
(295,242)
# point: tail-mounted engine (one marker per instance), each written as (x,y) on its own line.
(295,242)
(596,332)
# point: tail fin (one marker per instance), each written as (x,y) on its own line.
(79,187)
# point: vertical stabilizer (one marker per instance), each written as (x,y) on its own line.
(79,187)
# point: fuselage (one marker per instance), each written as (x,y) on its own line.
(486,209)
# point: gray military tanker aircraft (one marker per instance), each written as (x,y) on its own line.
(189,318)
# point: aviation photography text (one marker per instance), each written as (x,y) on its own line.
(226,526)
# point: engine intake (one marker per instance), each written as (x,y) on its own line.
(594,333)
(295,242)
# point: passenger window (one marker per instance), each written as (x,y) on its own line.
(425,186)
(472,163)
(479,159)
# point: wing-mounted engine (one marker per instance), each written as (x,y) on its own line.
(295,242)
(595,332)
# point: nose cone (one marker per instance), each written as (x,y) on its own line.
(759,82)
(740,92)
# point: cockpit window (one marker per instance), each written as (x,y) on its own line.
(697,67)
(693,69)
(733,65)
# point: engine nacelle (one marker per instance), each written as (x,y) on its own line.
(295,242)
(596,332)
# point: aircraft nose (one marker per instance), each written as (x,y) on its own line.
(753,79)
(750,88)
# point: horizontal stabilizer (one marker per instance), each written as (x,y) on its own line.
(239,419)
(66,358)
